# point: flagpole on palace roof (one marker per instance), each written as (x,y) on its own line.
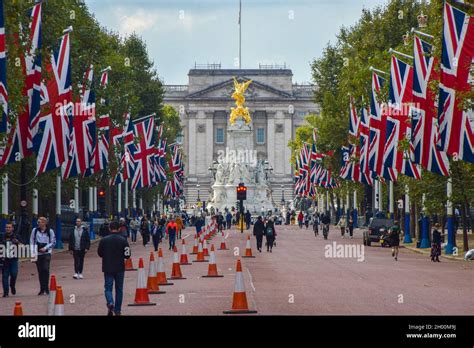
(240,34)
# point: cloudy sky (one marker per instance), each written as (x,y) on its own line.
(179,33)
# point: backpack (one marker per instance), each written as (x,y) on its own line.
(40,245)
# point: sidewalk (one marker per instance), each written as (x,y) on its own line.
(427,251)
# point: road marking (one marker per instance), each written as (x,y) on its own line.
(227,235)
(186,236)
(251,281)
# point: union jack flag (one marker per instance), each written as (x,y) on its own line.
(398,123)
(350,169)
(51,142)
(364,134)
(378,129)
(160,162)
(456,126)
(124,147)
(100,155)
(20,134)
(82,136)
(3,73)
(144,152)
(424,125)
(353,119)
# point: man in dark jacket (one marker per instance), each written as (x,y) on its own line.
(79,245)
(10,262)
(258,232)
(113,250)
(248,219)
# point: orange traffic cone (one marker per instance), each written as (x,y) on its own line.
(184,256)
(248,248)
(204,248)
(141,292)
(18,310)
(212,270)
(176,270)
(239,301)
(223,245)
(129,265)
(152,282)
(59,302)
(161,274)
(195,247)
(200,255)
(52,295)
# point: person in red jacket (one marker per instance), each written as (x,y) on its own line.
(171,229)
(300,219)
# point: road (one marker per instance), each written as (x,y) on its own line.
(297,278)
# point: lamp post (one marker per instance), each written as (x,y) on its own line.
(199,198)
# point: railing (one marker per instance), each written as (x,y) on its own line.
(176,88)
(210,66)
(272,66)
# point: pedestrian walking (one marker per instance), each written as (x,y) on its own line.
(350,227)
(228,219)
(395,239)
(79,245)
(42,241)
(145,231)
(270,234)
(171,230)
(300,219)
(436,243)
(9,261)
(123,228)
(342,225)
(104,229)
(134,229)
(306,219)
(179,225)
(315,224)
(258,232)
(113,250)
(248,219)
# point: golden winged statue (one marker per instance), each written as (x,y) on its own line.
(238,96)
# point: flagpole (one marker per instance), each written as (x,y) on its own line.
(35,208)
(355,217)
(134,203)
(91,213)
(119,199)
(407,238)
(4,201)
(450,219)
(76,197)
(126,198)
(59,242)
(425,242)
(391,205)
(240,34)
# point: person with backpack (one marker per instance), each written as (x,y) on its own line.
(42,241)
(270,234)
(134,224)
(228,219)
(156,233)
(258,232)
(79,245)
(171,230)
(307,217)
(395,232)
(315,224)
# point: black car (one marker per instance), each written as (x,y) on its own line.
(378,227)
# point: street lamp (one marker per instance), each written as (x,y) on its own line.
(213,169)
(198,186)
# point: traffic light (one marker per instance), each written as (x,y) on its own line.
(101,193)
(101,200)
(241,192)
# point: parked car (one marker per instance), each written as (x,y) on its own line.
(377,228)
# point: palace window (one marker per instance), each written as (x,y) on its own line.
(260,136)
(219,135)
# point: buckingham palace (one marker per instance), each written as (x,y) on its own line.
(277,107)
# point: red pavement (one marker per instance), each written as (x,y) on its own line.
(295,279)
